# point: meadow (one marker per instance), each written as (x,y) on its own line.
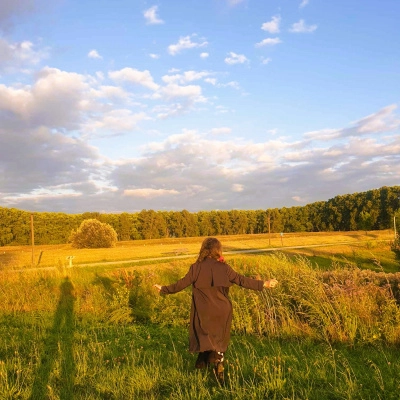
(330,330)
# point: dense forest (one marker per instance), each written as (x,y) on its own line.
(371,210)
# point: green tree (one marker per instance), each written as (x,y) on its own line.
(152,224)
(124,226)
(225,223)
(276,220)
(365,222)
(251,221)
(238,221)
(93,234)
(205,223)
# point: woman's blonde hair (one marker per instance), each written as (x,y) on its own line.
(211,247)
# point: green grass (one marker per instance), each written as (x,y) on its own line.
(149,362)
(329,331)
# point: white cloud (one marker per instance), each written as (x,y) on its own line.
(269,42)
(302,27)
(234,2)
(181,99)
(237,187)
(303,3)
(149,192)
(135,76)
(204,55)
(151,16)
(187,76)
(154,56)
(212,81)
(94,54)
(232,84)
(173,90)
(44,159)
(273,25)
(41,104)
(170,110)
(239,172)
(20,54)
(323,134)
(221,131)
(111,92)
(114,121)
(234,58)
(185,43)
(298,199)
(265,61)
(384,120)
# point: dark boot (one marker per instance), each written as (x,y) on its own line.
(202,360)
(216,359)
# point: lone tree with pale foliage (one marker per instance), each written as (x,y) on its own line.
(93,234)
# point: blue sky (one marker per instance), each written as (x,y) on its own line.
(198,105)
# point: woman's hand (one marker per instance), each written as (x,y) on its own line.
(271,283)
(158,287)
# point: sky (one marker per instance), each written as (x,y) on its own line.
(118,106)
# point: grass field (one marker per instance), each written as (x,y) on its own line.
(360,247)
(330,330)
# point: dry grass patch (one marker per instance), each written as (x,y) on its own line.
(56,255)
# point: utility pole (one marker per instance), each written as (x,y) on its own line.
(269,229)
(32,241)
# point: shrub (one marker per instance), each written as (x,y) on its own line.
(93,234)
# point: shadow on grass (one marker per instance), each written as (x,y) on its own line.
(58,344)
(105,283)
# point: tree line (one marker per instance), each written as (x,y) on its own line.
(370,210)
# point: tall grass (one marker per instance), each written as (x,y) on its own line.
(109,335)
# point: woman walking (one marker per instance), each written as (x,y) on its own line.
(211,309)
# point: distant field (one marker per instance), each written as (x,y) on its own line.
(358,247)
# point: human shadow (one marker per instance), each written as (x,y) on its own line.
(58,345)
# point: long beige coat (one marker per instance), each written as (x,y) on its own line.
(211,311)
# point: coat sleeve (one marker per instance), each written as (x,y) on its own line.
(244,281)
(179,285)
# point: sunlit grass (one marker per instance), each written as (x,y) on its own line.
(102,332)
(56,255)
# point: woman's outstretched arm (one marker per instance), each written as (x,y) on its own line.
(177,286)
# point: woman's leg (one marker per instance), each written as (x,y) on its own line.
(216,359)
(202,359)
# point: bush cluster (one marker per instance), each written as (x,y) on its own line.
(93,234)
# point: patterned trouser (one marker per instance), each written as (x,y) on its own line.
(206,358)
(215,359)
